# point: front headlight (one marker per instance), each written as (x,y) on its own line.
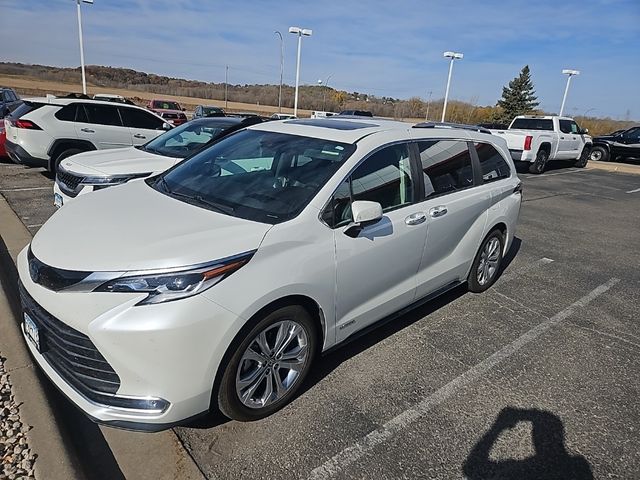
(165,287)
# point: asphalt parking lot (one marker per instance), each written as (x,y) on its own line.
(536,378)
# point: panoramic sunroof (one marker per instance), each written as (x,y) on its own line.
(330,123)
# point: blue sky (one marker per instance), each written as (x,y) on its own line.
(381,47)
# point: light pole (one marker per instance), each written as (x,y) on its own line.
(453,56)
(569,73)
(226,85)
(281,70)
(324,90)
(300,32)
(426,115)
(84,78)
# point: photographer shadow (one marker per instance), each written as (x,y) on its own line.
(551,459)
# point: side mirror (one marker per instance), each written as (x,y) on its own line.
(584,131)
(364,213)
(184,109)
(166,126)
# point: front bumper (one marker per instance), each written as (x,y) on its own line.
(19,155)
(168,351)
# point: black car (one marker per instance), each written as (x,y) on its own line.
(203,111)
(619,145)
(357,113)
(9,101)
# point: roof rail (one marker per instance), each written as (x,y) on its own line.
(475,128)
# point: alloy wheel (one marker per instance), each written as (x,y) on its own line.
(489,259)
(272,364)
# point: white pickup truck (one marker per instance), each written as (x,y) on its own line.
(538,139)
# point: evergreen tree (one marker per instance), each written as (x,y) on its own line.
(519,97)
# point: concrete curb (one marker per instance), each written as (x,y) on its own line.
(614,167)
(68,445)
(45,437)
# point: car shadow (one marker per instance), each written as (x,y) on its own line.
(350,348)
(550,461)
(523,167)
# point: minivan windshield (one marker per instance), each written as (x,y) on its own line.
(263,176)
(182,141)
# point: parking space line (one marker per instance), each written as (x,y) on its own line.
(364,446)
(35,225)
(634,191)
(524,269)
(27,189)
(558,173)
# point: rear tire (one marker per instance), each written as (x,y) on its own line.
(64,154)
(255,385)
(538,166)
(583,159)
(487,264)
(599,154)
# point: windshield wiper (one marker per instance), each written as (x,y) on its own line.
(165,185)
(216,206)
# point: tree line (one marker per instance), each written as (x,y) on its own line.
(518,97)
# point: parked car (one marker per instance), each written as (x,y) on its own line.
(109,97)
(216,283)
(202,111)
(539,139)
(3,139)
(617,145)
(44,131)
(357,113)
(171,111)
(9,101)
(90,171)
(282,116)
(322,114)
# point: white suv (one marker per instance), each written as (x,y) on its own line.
(216,283)
(44,131)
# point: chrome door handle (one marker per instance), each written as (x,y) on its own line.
(438,211)
(87,130)
(137,135)
(415,218)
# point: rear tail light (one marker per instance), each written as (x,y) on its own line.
(26,124)
(527,142)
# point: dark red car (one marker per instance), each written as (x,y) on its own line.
(3,138)
(169,110)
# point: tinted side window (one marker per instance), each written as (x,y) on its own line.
(385,177)
(492,164)
(446,165)
(13,96)
(67,113)
(132,117)
(565,126)
(103,115)
(574,127)
(633,134)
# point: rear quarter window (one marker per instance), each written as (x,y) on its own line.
(492,165)
(532,124)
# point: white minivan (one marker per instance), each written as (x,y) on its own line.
(216,284)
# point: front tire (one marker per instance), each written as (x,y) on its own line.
(487,264)
(269,365)
(538,166)
(583,159)
(599,154)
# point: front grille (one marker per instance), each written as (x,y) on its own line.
(68,182)
(71,354)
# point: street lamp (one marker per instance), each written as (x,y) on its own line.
(569,73)
(84,78)
(453,56)
(300,32)
(281,70)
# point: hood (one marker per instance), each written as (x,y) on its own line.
(606,138)
(134,227)
(117,161)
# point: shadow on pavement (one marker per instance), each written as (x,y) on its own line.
(551,459)
(385,328)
